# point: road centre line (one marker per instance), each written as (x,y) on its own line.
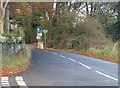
(76,61)
(62,56)
(20,81)
(72,59)
(106,75)
(54,53)
(88,67)
(84,65)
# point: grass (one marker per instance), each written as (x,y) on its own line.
(106,53)
(15,60)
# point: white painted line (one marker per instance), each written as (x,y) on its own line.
(19,78)
(5,85)
(106,75)
(4,78)
(5,81)
(62,56)
(84,65)
(72,59)
(54,53)
(20,81)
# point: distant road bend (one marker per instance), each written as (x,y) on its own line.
(54,68)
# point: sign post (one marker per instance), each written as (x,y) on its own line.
(39,35)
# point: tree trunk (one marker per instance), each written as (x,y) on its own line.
(2,15)
(8,20)
(1,26)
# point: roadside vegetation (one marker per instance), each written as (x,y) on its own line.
(88,28)
(16,62)
(16,55)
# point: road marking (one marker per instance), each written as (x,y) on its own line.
(62,56)
(54,53)
(20,81)
(5,82)
(87,67)
(72,59)
(106,75)
(4,78)
(84,65)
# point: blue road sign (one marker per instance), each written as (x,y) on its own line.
(39,30)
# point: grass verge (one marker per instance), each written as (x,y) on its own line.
(16,62)
(105,54)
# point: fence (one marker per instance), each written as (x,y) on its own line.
(11,45)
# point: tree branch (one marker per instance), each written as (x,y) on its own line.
(6,4)
(1,4)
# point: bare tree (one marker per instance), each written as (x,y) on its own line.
(3,5)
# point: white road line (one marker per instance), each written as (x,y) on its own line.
(62,56)
(54,53)
(106,75)
(20,81)
(84,65)
(5,85)
(5,82)
(4,78)
(72,59)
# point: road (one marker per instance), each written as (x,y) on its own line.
(54,68)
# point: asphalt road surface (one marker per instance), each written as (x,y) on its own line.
(53,68)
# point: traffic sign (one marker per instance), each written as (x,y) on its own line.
(39,30)
(39,34)
(38,37)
